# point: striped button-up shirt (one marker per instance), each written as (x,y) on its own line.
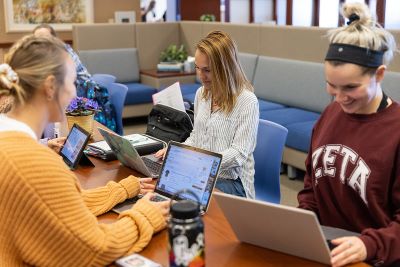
(234,135)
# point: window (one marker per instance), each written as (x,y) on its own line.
(302,12)
(328,13)
(239,11)
(392,15)
(263,10)
(281,12)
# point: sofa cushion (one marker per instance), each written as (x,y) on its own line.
(267,105)
(139,93)
(190,97)
(248,63)
(390,85)
(189,88)
(286,116)
(299,135)
(290,82)
(123,63)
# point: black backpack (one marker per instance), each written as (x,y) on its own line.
(167,123)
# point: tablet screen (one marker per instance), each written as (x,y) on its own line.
(74,145)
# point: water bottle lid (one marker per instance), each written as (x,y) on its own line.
(184,209)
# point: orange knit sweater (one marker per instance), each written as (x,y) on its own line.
(46,219)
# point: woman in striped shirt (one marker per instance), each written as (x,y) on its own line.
(225,113)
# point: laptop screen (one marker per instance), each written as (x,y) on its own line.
(190,168)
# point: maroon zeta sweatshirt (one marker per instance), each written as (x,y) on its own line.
(353,178)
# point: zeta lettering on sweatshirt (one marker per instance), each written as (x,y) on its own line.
(324,162)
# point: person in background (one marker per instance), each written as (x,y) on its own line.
(46,218)
(147,9)
(153,10)
(352,176)
(86,87)
(226,113)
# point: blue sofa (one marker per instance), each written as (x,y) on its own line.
(290,92)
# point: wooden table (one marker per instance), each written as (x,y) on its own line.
(222,246)
(164,79)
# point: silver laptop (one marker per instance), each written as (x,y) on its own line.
(129,157)
(185,167)
(282,228)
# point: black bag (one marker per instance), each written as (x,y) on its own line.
(167,124)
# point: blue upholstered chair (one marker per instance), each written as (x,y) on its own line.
(103,79)
(271,140)
(118,93)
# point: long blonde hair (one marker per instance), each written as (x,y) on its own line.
(364,32)
(228,79)
(31,60)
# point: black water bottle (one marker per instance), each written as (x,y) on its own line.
(186,235)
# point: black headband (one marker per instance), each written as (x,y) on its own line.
(354,54)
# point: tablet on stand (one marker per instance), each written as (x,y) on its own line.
(72,151)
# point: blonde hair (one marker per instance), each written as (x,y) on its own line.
(5,104)
(32,59)
(228,79)
(364,32)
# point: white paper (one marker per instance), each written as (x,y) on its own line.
(170,96)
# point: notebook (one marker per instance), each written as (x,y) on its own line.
(185,167)
(143,144)
(282,228)
(128,155)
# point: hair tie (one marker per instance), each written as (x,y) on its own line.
(9,77)
(353,17)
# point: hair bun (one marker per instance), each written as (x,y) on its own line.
(7,76)
(357,13)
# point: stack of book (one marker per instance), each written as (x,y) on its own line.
(143,144)
(170,66)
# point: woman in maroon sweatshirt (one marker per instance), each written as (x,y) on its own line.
(353,166)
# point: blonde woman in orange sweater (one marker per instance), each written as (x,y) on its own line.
(46,219)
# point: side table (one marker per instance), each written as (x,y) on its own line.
(160,80)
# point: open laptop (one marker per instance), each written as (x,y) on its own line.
(129,157)
(282,228)
(185,167)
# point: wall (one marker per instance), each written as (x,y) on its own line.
(149,38)
(299,43)
(193,9)
(104,9)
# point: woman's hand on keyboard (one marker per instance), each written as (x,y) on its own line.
(146,185)
(163,205)
(160,153)
(349,249)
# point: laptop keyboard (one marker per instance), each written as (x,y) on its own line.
(158,198)
(154,167)
(331,246)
